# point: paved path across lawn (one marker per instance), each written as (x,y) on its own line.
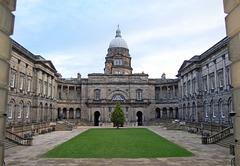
(205,155)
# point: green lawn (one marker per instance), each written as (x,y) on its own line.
(117,143)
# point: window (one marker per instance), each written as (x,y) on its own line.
(194,85)
(139,95)
(27,110)
(97,95)
(213,109)
(118,97)
(10,110)
(221,109)
(184,89)
(50,90)
(79,93)
(205,83)
(19,110)
(59,95)
(29,85)
(205,109)
(39,86)
(220,79)
(12,82)
(117,61)
(118,72)
(45,88)
(188,87)
(21,82)
(157,96)
(212,81)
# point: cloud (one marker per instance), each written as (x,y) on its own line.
(75,34)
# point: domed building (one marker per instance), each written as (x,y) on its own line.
(39,95)
(118,60)
(141,98)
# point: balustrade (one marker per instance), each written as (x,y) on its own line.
(18,139)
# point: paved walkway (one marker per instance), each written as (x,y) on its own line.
(205,155)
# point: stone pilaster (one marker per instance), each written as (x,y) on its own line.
(232,8)
(6,29)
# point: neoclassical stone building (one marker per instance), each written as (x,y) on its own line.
(93,99)
(39,95)
(205,86)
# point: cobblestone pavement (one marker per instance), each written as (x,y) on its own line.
(205,155)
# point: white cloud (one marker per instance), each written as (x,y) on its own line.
(75,34)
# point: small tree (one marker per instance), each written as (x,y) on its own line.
(117,116)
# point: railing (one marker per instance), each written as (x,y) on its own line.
(216,137)
(18,139)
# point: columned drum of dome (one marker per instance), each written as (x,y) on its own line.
(118,60)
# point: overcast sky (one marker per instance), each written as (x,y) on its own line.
(75,34)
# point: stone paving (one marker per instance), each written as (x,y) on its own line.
(205,155)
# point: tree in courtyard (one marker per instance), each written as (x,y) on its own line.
(118,116)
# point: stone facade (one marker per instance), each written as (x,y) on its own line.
(38,94)
(93,99)
(232,8)
(32,84)
(205,86)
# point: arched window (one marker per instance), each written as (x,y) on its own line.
(27,110)
(118,97)
(20,109)
(213,109)
(10,110)
(221,109)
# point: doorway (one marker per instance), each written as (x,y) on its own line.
(139,118)
(96,118)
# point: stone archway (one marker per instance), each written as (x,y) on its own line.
(96,118)
(139,118)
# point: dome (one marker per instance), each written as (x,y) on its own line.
(118,41)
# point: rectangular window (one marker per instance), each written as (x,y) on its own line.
(194,85)
(97,95)
(139,95)
(188,88)
(184,89)
(205,84)
(39,86)
(212,81)
(29,85)
(50,90)
(21,82)
(12,82)
(60,96)
(157,96)
(220,79)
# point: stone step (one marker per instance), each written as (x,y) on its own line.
(9,144)
(226,141)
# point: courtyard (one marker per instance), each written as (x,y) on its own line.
(205,155)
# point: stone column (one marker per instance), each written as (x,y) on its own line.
(232,8)
(6,29)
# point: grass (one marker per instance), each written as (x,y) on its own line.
(117,143)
